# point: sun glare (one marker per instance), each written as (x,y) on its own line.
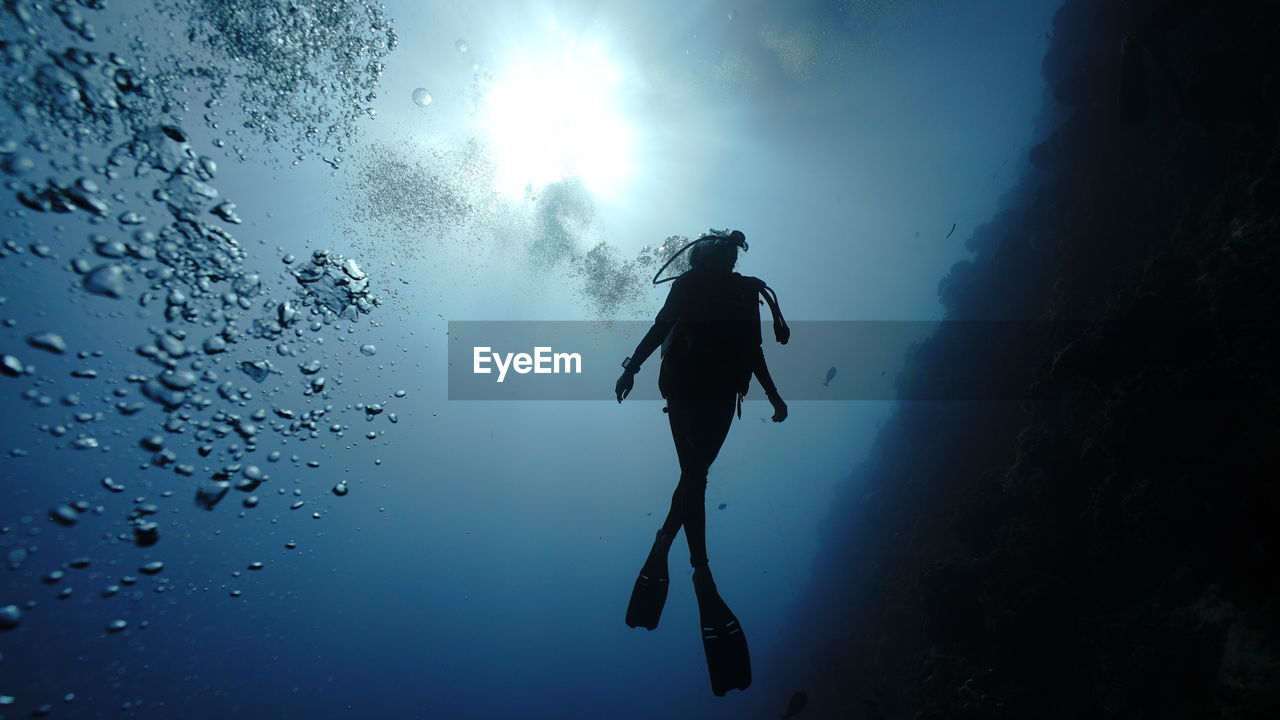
(554,114)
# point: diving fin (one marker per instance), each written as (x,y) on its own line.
(728,661)
(650,592)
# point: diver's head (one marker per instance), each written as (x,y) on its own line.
(718,255)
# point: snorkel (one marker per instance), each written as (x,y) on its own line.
(734,237)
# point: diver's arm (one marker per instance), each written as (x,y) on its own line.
(662,325)
(648,344)
(761,371)
(651,341)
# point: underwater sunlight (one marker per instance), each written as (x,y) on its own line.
(337,382)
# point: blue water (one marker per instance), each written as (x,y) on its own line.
(480,563)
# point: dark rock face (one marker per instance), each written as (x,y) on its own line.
(1106,547)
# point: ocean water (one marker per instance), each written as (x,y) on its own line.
(233,480)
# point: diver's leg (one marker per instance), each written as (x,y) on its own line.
(695,516)
(649,594)
(723,641)
(675,515)
(709,420)
(682,433)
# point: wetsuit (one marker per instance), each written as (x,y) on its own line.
(709,328)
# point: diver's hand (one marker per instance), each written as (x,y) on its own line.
(625,382)
(779,407)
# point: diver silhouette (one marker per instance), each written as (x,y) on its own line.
(709,329)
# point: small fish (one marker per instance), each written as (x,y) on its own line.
(798,701)
(953,229)
(830,374)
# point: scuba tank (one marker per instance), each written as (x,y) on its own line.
(751,291)
(781,331)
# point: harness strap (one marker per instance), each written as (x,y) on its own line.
(781,330)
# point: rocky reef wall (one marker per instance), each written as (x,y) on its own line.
(1101,548)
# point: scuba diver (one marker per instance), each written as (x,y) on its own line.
(709,330)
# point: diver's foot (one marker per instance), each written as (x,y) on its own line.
(725,645)
(704,586)
(649,594)
(662,540)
